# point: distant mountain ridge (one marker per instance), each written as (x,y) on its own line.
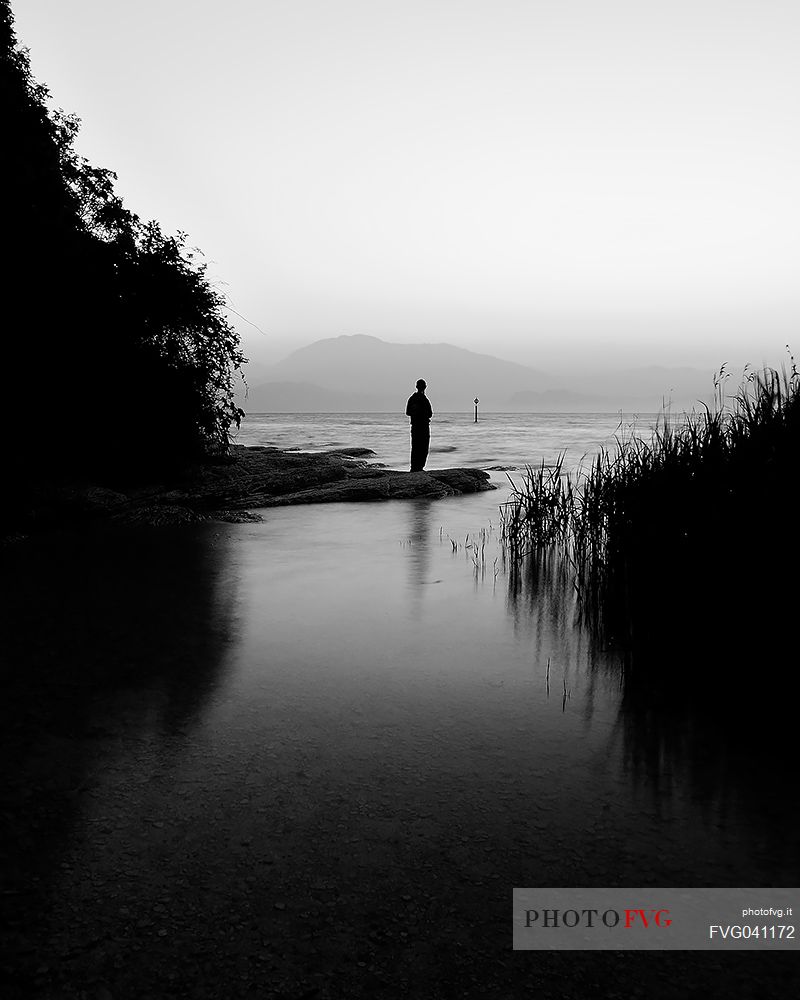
(360,373)
(305,397)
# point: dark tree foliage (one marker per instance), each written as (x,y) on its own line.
(118,353)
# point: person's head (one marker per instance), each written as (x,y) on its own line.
(421,385)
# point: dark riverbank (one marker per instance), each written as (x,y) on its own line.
(226,489)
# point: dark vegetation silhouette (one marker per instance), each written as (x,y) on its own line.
(118,354)
(676,556)
(681,547)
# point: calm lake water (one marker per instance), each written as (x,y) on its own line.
(498,439)
(347,716)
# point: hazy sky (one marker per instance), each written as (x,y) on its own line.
(555,182)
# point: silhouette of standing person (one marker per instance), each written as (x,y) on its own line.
(418,408)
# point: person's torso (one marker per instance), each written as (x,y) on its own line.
(419,409)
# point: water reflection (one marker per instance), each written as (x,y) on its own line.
(687,729)
(109,641)
(419,552)
(541,602)
(306,721)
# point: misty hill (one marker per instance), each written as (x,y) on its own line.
(362,373)
(366,365)
(304,397)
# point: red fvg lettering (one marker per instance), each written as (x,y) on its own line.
(660,918)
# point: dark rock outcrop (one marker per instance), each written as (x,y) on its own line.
(269,477)
(391,485)
(228,489)
(351,452)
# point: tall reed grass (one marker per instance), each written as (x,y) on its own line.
(691,518)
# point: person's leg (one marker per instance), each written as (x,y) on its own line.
(415,456)
(420,442)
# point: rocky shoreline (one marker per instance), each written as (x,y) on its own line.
(254,477)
